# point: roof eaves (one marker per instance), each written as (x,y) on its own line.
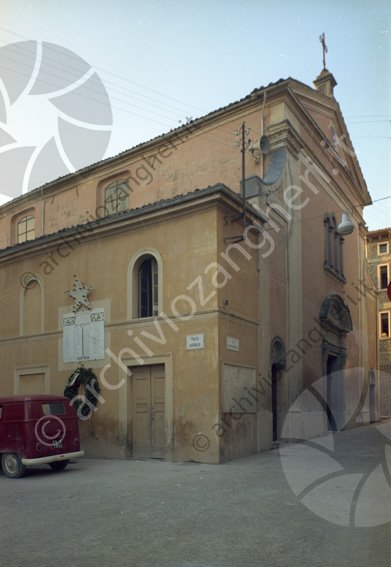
(379,231)
(174,131)
(132,213)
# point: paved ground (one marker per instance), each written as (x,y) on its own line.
(242,513)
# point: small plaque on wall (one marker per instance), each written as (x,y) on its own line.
(194,342)
(232,344)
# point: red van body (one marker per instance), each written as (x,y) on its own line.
(35,430)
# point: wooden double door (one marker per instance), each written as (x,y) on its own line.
(148,389)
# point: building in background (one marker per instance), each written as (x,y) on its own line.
(379,260)
(208,285)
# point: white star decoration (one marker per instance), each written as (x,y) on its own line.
(79,294)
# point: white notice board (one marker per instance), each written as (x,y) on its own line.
(239,389)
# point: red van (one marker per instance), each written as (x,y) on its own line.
(35,430)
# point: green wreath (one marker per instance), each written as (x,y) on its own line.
(83,377)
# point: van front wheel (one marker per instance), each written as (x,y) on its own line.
(59,465)
(12,465)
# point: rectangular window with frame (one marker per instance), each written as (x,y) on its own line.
(117,197)
(383,276)
(385,325)
(382,248)
(53,408)
(26,228)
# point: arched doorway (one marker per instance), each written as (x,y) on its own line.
(336,322)
(372,396)
(278,365)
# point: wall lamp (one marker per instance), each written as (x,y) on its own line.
(346,227)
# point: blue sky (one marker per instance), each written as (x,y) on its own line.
(162,62)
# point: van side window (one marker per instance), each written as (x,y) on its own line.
(56,408)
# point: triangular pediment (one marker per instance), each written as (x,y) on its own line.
(326,116)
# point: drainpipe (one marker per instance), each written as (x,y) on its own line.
(262,129)
(43,212)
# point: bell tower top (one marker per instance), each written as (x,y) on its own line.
(325,82)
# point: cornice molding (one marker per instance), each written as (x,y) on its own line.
(218,197)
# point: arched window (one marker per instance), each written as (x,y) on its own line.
(145,284)
(117,196)
(333,245)
(148,288)
(26,228)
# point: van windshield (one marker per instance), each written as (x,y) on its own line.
(53,408)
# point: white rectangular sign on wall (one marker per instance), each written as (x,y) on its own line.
(83,335)
(232,344)
(239,387)
(194,342)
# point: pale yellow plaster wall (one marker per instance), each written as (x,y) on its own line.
(190,244)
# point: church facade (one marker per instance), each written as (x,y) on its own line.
(205,283)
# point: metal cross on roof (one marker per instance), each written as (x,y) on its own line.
(322,40)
